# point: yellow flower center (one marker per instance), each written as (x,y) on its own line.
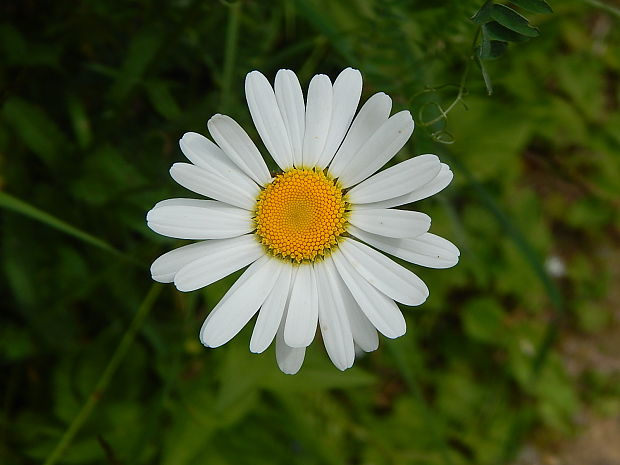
(300,214)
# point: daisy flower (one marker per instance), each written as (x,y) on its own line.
(311,233)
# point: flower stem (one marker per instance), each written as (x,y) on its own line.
(107,375)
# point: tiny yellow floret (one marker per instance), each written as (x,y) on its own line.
(300,215)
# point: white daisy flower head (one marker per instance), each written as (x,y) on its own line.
(312,233)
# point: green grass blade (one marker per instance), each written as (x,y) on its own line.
(107,375)
(9,202)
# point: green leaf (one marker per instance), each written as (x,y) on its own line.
(482,319)
(535,6)
(141,52)
(512,20)
(34,127)
(13,44)
(162,99)
(485,75)
(495,31)
(483,15)
(80,122)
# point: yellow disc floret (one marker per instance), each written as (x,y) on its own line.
(300,214)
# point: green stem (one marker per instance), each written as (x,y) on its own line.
(230,53)
(107,375)
(13,203)
(462,88)
(19,206)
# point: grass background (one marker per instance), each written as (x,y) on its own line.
(98,365)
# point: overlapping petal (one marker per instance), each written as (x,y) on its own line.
(240,193)
(272,311)
(238,146)
(432,187)
(240,303)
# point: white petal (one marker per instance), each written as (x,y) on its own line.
(213,185)
(347,91)
(235,143)
(272,311)
(204,153)
(292,108)
(187,203)
(268,119)
(398,180)
(303,309)
(364,333)
(379,149)
(318,118)
(240,303)
(333,318)
(437,184)
(289,359)
(382,311)
(221,258)
(167,265)
(390,222)
(371,116)
(200,219)
(394,280)
(426,250)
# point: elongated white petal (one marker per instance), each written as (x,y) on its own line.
(240,303)
(333,318)
(318,118)
(183,202)
(272,311)
(426,250)
(204,153)
(222,258)
(347,91)
(303,310)
(211,184)
(371,116)
(379,149)
(390,222)
(437,184)
(381,311)
(268,119)
(289,359)
(235,143)
(201,219)
(364,333)
(398,180)
(188,203)
(167,265)
(290,100)
(394,280)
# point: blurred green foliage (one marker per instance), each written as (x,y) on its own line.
(94,96)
